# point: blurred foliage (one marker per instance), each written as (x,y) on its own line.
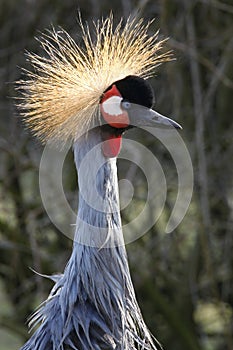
(183,280)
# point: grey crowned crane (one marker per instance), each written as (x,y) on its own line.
(92,93)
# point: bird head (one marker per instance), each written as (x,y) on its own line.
(101,81)
(125,104)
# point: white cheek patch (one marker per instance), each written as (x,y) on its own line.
(112,105)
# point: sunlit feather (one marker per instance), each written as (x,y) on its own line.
(62,92)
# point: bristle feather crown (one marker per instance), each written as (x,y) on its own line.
(61,95)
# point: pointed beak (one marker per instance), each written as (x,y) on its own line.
(143,116)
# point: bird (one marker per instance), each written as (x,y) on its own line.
(91,93)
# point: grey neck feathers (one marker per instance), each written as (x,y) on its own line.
(98,221)
(92,306)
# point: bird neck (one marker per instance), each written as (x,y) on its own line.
(98,221)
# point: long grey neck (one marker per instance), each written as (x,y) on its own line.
(93,304)
(98,222)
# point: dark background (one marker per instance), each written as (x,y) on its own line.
(183,280)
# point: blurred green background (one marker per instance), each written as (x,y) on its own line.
(183,280)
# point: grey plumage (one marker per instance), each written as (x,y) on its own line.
(93,305)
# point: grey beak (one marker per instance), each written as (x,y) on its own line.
(142,116)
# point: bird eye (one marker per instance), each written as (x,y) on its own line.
(126,104)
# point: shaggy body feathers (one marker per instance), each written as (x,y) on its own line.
(92,305)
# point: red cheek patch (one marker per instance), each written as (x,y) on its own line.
(109,93)
(117,121)
(110,108)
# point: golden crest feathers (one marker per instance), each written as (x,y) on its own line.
(61,95)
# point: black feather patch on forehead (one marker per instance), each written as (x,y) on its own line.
(136,90)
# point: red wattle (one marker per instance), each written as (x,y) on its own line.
(111,146)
